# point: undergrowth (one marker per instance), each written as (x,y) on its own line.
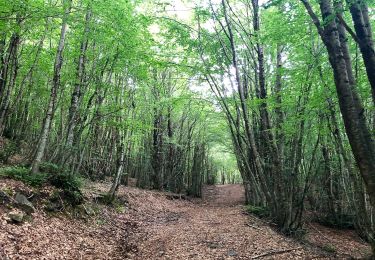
(261,212)
(23,174)
(70,184)
(341,221)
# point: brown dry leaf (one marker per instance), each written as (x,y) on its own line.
(155,227)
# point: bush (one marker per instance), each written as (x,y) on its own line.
(341,221)
(74,197)
(261,212)
(23,174)
(48,167)
(66,181)
(71,186)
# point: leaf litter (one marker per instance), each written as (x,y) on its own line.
(150,225)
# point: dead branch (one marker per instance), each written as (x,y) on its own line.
(276,252)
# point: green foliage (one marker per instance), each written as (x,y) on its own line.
(23,174)
(342,221)
(116,203)
(48,167)
(71,186)
(143,73)
(261,212)
(74,197)
(66,181)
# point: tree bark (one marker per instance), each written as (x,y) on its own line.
(362,26)
(358,132)
(46,128)
(80,79)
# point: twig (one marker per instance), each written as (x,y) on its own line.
(276,252)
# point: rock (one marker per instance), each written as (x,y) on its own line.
(231,252)
(16,216)
(24,204)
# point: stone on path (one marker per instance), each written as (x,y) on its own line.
(24,204)
(16,216)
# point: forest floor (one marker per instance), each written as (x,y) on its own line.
(155,225)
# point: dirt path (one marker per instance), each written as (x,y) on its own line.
(214,228)
(148,225)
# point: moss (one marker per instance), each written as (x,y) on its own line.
(120,208)
(100,221)
(8,191)
(329,248)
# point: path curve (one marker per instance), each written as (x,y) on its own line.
(213,228)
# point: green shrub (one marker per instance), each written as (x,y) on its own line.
(13,171)
(341,221)
(71,186)
(23,174)
(259,211)
(66,181)
(48,167)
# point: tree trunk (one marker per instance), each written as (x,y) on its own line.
(11,62)
(43,140)
(362,26)
(77,92)
(351,108)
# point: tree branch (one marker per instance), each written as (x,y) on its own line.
(348,29)
(313,16)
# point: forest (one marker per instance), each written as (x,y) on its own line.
(274,99)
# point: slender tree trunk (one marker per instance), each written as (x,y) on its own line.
(80,81)
(120,170)
(41,147)
(11,62)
